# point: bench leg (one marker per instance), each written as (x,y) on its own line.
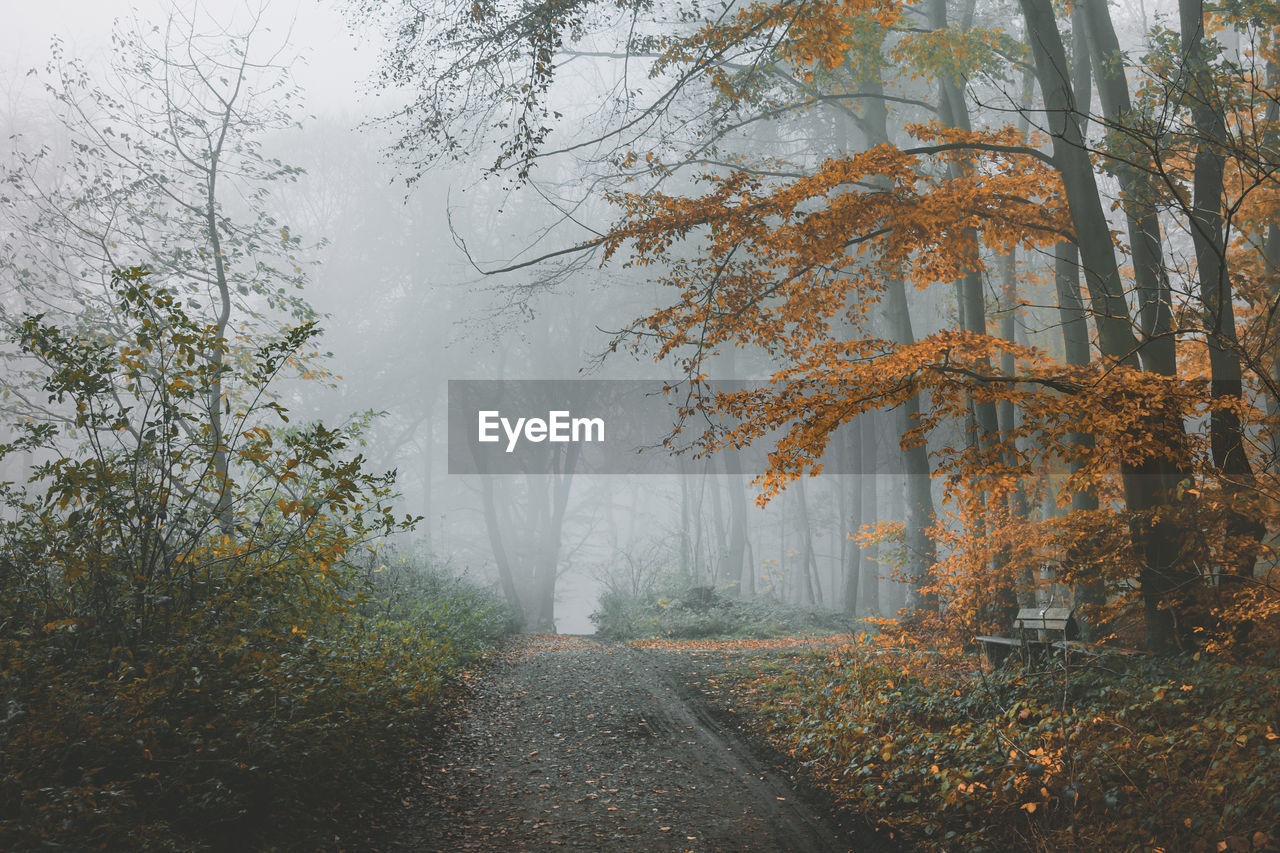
(994,654)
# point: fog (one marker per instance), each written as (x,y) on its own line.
(401,256)
(797,425)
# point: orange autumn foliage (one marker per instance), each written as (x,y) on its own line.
(793,262)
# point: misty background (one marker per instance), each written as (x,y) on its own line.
(393,268)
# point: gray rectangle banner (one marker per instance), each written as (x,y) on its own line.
(597,426)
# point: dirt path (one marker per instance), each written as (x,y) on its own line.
(572,744)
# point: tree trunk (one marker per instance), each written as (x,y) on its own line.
(1218,313)
(1156,542)
(562,462)
(1075,342)
(428,442)
(1271,265)
(686,511)
(1271,256)
(721,534)
(920,550)
(221,459)
(810,590)
(869,498)
(780,576)
(851,514)
(1075,328)
(896,507)
(973,309)
(1096,39)
(737,489)
(499,548)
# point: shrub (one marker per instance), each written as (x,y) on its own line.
(699,613)
(1166,754)
(189,657)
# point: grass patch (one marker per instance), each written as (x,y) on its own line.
(701,613)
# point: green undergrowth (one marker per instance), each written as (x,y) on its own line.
(702,613)
(230,733)
(1156,755)
(201,646)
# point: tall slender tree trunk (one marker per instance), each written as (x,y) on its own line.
(1271,257)
(780,577)
(870,580)
(1095,38)
(920,549)
(686,521)
(1025,586)
(217,405)
(721,534)
(1075,340)
(973,309)
(869,498)
(694,577)
(851,514)
(1074,320)
(1217,309)
(494,528)
(896,507)
(811,589)
(1271,264)
(1156,542)
(738,537)
(563,461)
(428,454)
(737,490)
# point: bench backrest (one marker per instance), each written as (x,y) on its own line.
(1048,618)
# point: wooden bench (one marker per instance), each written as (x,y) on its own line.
(1036,630)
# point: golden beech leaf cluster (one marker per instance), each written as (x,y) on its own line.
(779,263)
(811,37)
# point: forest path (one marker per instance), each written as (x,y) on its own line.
(573,744)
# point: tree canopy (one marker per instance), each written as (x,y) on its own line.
(798,173)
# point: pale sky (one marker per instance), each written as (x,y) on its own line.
(333,69)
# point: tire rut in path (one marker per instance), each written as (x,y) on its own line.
(579,745)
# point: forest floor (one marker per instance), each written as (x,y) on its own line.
(572,744)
